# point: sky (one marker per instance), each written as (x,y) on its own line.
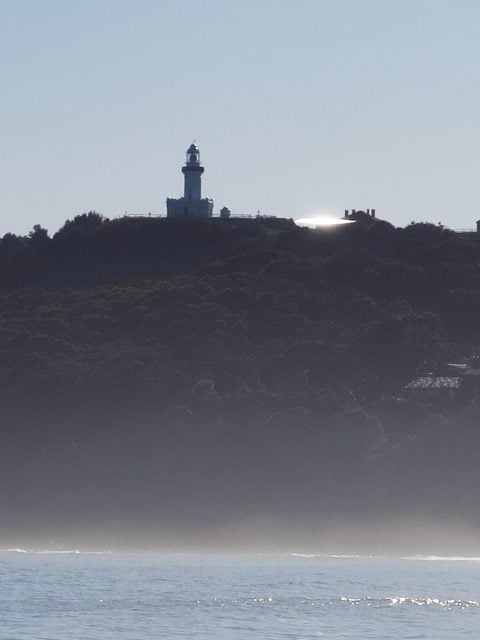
(300,108)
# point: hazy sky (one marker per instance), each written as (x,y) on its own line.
(299,107)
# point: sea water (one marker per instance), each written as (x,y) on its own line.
(109,596)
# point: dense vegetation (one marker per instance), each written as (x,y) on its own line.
(189,370)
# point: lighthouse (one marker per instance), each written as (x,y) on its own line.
(192,205)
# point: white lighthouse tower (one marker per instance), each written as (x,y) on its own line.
(193,174)
(192,205)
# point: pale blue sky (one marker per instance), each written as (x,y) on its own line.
(299,107)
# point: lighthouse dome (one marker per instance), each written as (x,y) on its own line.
(193,154)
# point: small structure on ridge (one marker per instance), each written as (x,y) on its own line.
(359,215)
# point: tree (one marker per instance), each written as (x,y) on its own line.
(38,237)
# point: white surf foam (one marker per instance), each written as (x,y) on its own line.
(49,552)
(346,556)
(443,558)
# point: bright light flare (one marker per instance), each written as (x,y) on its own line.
(321,221)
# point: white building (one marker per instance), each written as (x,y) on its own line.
(192,205)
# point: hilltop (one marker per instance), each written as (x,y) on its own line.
(186,371)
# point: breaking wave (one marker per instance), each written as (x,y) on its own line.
(345,556)
(54,551)
(443,558)
(420,558)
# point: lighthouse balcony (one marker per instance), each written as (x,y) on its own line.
(193,168)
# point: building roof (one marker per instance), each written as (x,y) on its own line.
(434,382)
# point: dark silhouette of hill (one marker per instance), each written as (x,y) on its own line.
(194,372)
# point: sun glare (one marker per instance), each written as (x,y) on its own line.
(321,221)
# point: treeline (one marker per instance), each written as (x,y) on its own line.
(91,249)
(169,361)
(387,301)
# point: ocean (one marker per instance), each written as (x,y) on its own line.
(72,595)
